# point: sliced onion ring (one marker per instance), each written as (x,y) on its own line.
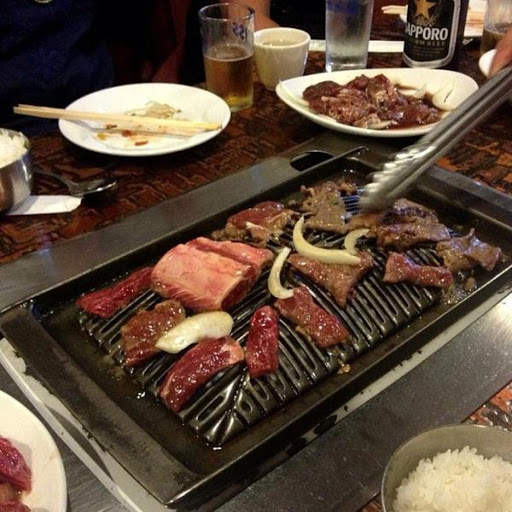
(352,237)
(274,279)
(442,98)
(308,250)
(212,324)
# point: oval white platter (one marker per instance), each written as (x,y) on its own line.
(194,103)
(32,439)
(461,86)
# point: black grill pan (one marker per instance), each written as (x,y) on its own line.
(237,427)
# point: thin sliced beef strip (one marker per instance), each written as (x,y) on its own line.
(262,347)
(108,301)
(400,268)
(465,252)
(196,367)
(340,280)
(312,320)
(140,334)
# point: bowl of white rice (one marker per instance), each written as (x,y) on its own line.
(15,168)
(453,468)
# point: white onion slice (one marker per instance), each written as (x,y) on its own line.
(352,237)
(308,250)
(381,125)
(212,324)
(411,92)
(275,287)
(442,98)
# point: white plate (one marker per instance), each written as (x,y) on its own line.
(484,63)
(30,437)
(195,104)
(290,91)
(472,29)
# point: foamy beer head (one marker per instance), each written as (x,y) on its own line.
(227,32)
(280,53)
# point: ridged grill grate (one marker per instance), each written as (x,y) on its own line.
(232,401)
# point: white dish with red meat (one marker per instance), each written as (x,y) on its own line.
(449,86)
(28,435)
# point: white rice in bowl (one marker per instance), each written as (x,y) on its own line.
(455,481)
(12,147)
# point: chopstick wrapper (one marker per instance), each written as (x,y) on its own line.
(36,205)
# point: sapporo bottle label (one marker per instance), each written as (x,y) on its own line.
(431,32)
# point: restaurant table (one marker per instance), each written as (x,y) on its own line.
(442,389)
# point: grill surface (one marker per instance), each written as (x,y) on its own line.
(258,423)
(233,401)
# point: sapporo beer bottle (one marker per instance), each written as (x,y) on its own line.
(434,30)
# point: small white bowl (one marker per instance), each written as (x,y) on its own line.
(484,63)
(488,442)
(280,53)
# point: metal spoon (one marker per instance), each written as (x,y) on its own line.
(82,188)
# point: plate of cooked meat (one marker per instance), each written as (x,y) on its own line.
(31,471)
(392,102)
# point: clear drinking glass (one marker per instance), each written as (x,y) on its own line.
(347,33)
(498,19)
(227,32)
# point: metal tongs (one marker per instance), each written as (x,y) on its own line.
(411,162)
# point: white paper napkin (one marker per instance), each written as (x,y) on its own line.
(35,205)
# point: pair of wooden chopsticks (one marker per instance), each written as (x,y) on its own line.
(121,121)
(473,16)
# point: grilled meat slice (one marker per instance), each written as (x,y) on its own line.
(406,224)
(262,347)
(338,279)
(13,467)
(403,210)
(400,268)
(465,252)
(108,301)
(196,367)
(261,223)
(326,207)
(368,220)
(312,320)
(202,281)
(368,101)
(349,106)
(14,506)
(253,256)
(325,88)
(140,334)
(404,236)
(8,493)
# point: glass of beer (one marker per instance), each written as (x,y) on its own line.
(227,32)
(498,19)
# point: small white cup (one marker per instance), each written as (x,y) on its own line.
(280,53)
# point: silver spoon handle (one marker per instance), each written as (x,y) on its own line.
(409,163)
(44,172)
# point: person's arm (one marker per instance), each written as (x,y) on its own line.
(503,54)
(262,13)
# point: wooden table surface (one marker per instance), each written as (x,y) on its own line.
(264,130)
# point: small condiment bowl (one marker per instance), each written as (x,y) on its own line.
(488,442)
(15,176)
